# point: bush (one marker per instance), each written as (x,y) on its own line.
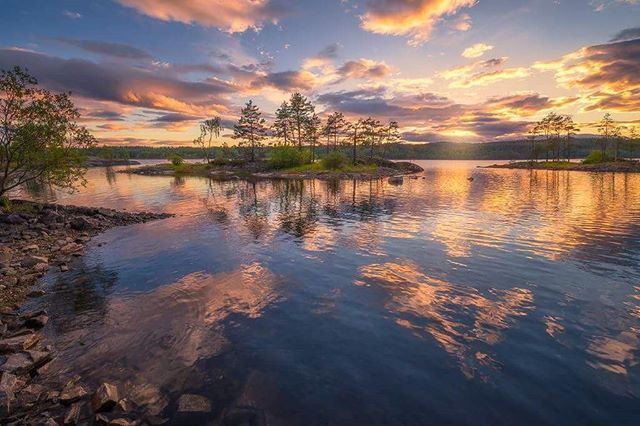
(334,160)
(176,160)
(285,157)
(596,157)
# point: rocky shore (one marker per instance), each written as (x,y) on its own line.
(33,238)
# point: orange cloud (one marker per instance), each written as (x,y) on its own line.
(230,16)
(412,18)
(477,50)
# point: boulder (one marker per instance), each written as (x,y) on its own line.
(72,392)
(80,223)
(18,343)
(105,398)
(17,363)
(191,403)
(72,416)
(31,261)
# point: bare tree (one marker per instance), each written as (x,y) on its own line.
(208,130)
(606,129)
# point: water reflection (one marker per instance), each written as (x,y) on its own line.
(457,317)
(516,286)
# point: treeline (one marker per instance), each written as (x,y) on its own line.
(504,150)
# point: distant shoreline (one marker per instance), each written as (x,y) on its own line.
(626,166)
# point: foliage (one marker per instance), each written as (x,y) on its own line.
(39,137)
(300,111)
(208,129)
(250,129)
(596,157)
(284,157)
(176,160)
(334,160)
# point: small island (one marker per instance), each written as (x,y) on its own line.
(621,166)
(234,169)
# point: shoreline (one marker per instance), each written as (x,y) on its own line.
(386,169)
(35,237)
(626,166)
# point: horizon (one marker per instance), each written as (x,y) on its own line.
(146,73)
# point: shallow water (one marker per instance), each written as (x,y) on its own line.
(510,299)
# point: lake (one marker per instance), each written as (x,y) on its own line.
(513,298)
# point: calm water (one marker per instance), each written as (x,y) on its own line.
(510,299)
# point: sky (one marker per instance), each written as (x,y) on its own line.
(146,72)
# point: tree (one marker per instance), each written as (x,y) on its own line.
(634,137)
(312,133)
(250,129)
(570,129)
(39,137)
(392,135)
(334,127)
(617,138)
(355,130)
(372,133)
(208,129)
(534,131)
(300,110)
(282,125)
(605,128)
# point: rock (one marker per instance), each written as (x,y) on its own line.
(32,247)
(191,403)
(41,267)
(37,322)
(36,293)
(125,406)
(64,267)
(105,398)
(72,392)
(72,416)
(17,363)
(6,256)
(39,358)
(80,224)
(9,271)
(18,343)
(51,217)
(120,422)
(31,261)
(8,384)
(13,219)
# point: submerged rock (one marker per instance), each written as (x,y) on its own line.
(191,403)
(105,397)
(72,392)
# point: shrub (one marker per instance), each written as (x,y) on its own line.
(285,157)
(176,160)
(334,160)
(596,157)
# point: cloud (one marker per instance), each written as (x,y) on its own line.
(627,34)
(72,15)
(526,104)
(606,75)
(122,84)
(229,16)
(477,50)
(415,19)
(116,50)
(364,69)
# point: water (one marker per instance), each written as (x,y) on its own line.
(510,299)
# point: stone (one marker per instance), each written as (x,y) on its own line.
(18,343)
(30,261)
(39,358)
(32,247)
(72,416)
(80,224)
(41,267)
(14,219)
(105,397)
(125,406)
(36,293)
(191,403)
(120,422)
(17,363)
(72,392)
(64,267)
(37,322)
(8,383)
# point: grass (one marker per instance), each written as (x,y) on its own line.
(318,167)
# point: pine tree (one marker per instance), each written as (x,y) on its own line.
(282,126)
(300,110)
(334,128)
(250,129)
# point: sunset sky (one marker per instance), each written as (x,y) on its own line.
(144,72)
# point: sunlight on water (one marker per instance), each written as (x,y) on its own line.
(511,296)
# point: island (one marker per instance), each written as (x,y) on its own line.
(621,166)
